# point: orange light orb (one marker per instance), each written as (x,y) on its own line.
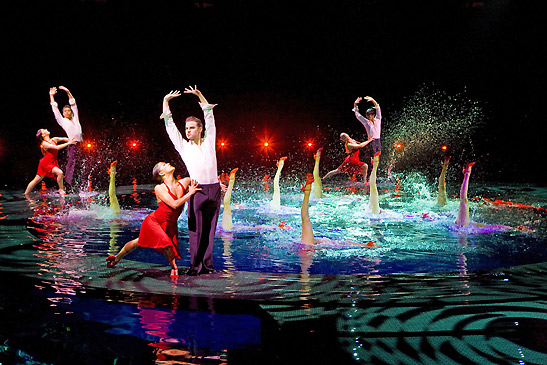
(266,144)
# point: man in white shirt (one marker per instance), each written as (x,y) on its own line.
(199,155)
(70,122)
(372,121)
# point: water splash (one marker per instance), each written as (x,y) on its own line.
(429,119)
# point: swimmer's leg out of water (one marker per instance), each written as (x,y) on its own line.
(441,196)
(114,205)
(374,204)
(276,200)
(307,230)
(463,214)
(227,213)
(317,185)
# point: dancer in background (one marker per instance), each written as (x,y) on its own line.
(351,164)
(70,122)
(199,155)
(159,228)
(372,121)
(48,165)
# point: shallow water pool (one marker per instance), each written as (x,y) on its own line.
(412,234)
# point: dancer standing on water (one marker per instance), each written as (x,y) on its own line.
(48,165)
(159,228)
(372,121)
(351,164)
(70,122)
(199,156)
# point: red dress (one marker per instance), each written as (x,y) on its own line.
(159,228)
(48,162)
(351,164)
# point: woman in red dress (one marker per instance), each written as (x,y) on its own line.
(48,165)
(159,229)
(351,164)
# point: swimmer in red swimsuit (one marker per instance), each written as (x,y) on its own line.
(159,229)
(351,164)
(48,165)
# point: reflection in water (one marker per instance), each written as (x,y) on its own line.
(306,256)
(462,265)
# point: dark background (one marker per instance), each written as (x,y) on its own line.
(288,71)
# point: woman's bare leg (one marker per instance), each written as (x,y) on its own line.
(331,173)
(59,178)
(170,256)
(32,184)
(127,248)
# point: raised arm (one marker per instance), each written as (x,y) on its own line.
(210,128)
(67,92)
(54,106)
(164,196)
(194,90)
(357,114)
(170,126)
(172,94)
(369,99)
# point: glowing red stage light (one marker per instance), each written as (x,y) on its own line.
(89,145)
(444,147)
(266,144)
